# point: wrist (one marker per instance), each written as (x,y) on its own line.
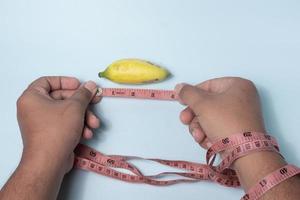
(258,129)
(252,152)
(43,161)
(236,128)
(37,177)
(259,164)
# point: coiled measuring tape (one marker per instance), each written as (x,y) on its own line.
(232,147)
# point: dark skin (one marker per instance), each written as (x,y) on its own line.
(234,104)
(56,108)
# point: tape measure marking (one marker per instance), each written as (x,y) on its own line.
(270,181)
(137,93)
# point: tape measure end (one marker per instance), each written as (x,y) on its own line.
(99,92)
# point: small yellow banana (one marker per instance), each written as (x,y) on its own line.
(134,71)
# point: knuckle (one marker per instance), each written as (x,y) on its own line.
(246,84)
(20,101)
(244,80)
(42,78)
(37,81)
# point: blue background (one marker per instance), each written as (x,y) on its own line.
(195,40)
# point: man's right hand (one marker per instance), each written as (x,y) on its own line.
(220,107)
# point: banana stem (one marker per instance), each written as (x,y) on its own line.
(101,74)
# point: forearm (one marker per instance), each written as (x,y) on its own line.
(254,167)
(37,177)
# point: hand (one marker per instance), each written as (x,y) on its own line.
(220,107)
(52,115)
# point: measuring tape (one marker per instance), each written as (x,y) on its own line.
(232,147)
(137,93)
(271,181)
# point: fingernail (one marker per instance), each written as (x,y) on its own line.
(91,86)
(208,144)
(99,92)
(196,135)
(178,88)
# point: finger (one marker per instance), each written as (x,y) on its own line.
(87,133)
(190,95)
(196,130)
(217,85)
(66,94)
(84,94)
(96,99)
(62,94)
(49,83)
(206,143)
(91,120)
(186,115)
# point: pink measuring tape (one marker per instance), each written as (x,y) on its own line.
(233,147)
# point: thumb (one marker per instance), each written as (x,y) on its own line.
(190,95)
(85,94)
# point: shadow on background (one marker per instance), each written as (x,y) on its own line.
(274,127)
(69,185)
